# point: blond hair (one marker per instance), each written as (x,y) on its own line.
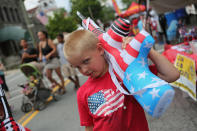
(79,41)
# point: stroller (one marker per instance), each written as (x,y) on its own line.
(37,95)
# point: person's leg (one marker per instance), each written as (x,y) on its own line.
(5,87)
(58,71)
(74,73)
(49,76)
(77,81)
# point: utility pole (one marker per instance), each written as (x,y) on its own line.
(27,21)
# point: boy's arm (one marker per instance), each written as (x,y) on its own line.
(166,70)
(89,128)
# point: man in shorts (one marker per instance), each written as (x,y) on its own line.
(67,69)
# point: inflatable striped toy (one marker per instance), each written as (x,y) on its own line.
(131,66)
(6,119)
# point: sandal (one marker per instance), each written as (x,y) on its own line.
(62,91)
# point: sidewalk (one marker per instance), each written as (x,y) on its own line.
(9,72)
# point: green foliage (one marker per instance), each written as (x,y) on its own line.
(88,8)
(108,14)
(128,2)
(59,23)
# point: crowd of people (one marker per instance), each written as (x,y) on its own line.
(171,27)
(48,55)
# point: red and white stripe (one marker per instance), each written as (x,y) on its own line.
(112,43)
(120,58)
(114,100)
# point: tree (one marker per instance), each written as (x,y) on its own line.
(108,14)
(60,23)
(88,8)
(128,2)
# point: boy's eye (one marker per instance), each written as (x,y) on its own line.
(86,61)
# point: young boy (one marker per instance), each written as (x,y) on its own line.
(101,105)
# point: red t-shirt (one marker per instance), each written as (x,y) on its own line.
(102,105)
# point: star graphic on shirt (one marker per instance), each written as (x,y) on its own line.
(155,79)
(142,75)
(142,62)
(140,93)
(128,77)
(148,45)
(147,108)
(154,93)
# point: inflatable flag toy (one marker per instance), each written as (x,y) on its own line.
(6,119)
(131,65)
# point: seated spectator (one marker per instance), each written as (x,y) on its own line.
(28,54)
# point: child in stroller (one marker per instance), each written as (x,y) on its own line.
(35,92)
(29,88)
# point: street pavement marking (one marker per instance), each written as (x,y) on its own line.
(56,88)
(14,78)
(29,118)
(21,119)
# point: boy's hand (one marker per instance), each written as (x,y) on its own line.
(126,40)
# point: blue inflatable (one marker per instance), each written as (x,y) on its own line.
(151,92)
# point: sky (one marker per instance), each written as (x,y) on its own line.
(29,4)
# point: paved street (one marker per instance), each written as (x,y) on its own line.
(63,115)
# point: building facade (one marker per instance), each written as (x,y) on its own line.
(14,27)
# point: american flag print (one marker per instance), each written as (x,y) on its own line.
(42,18)
(105,102)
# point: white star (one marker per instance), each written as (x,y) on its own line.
(142,62)
(132,90)
(128,77)
(142,75)
(154,93)
(155,79)
(148,45)
(140,93)
(147,108)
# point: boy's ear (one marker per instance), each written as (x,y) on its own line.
(100,48)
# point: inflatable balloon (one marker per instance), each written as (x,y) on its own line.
(131,65)
(6,119)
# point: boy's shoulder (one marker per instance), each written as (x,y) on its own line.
(85,87)
(95,85)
